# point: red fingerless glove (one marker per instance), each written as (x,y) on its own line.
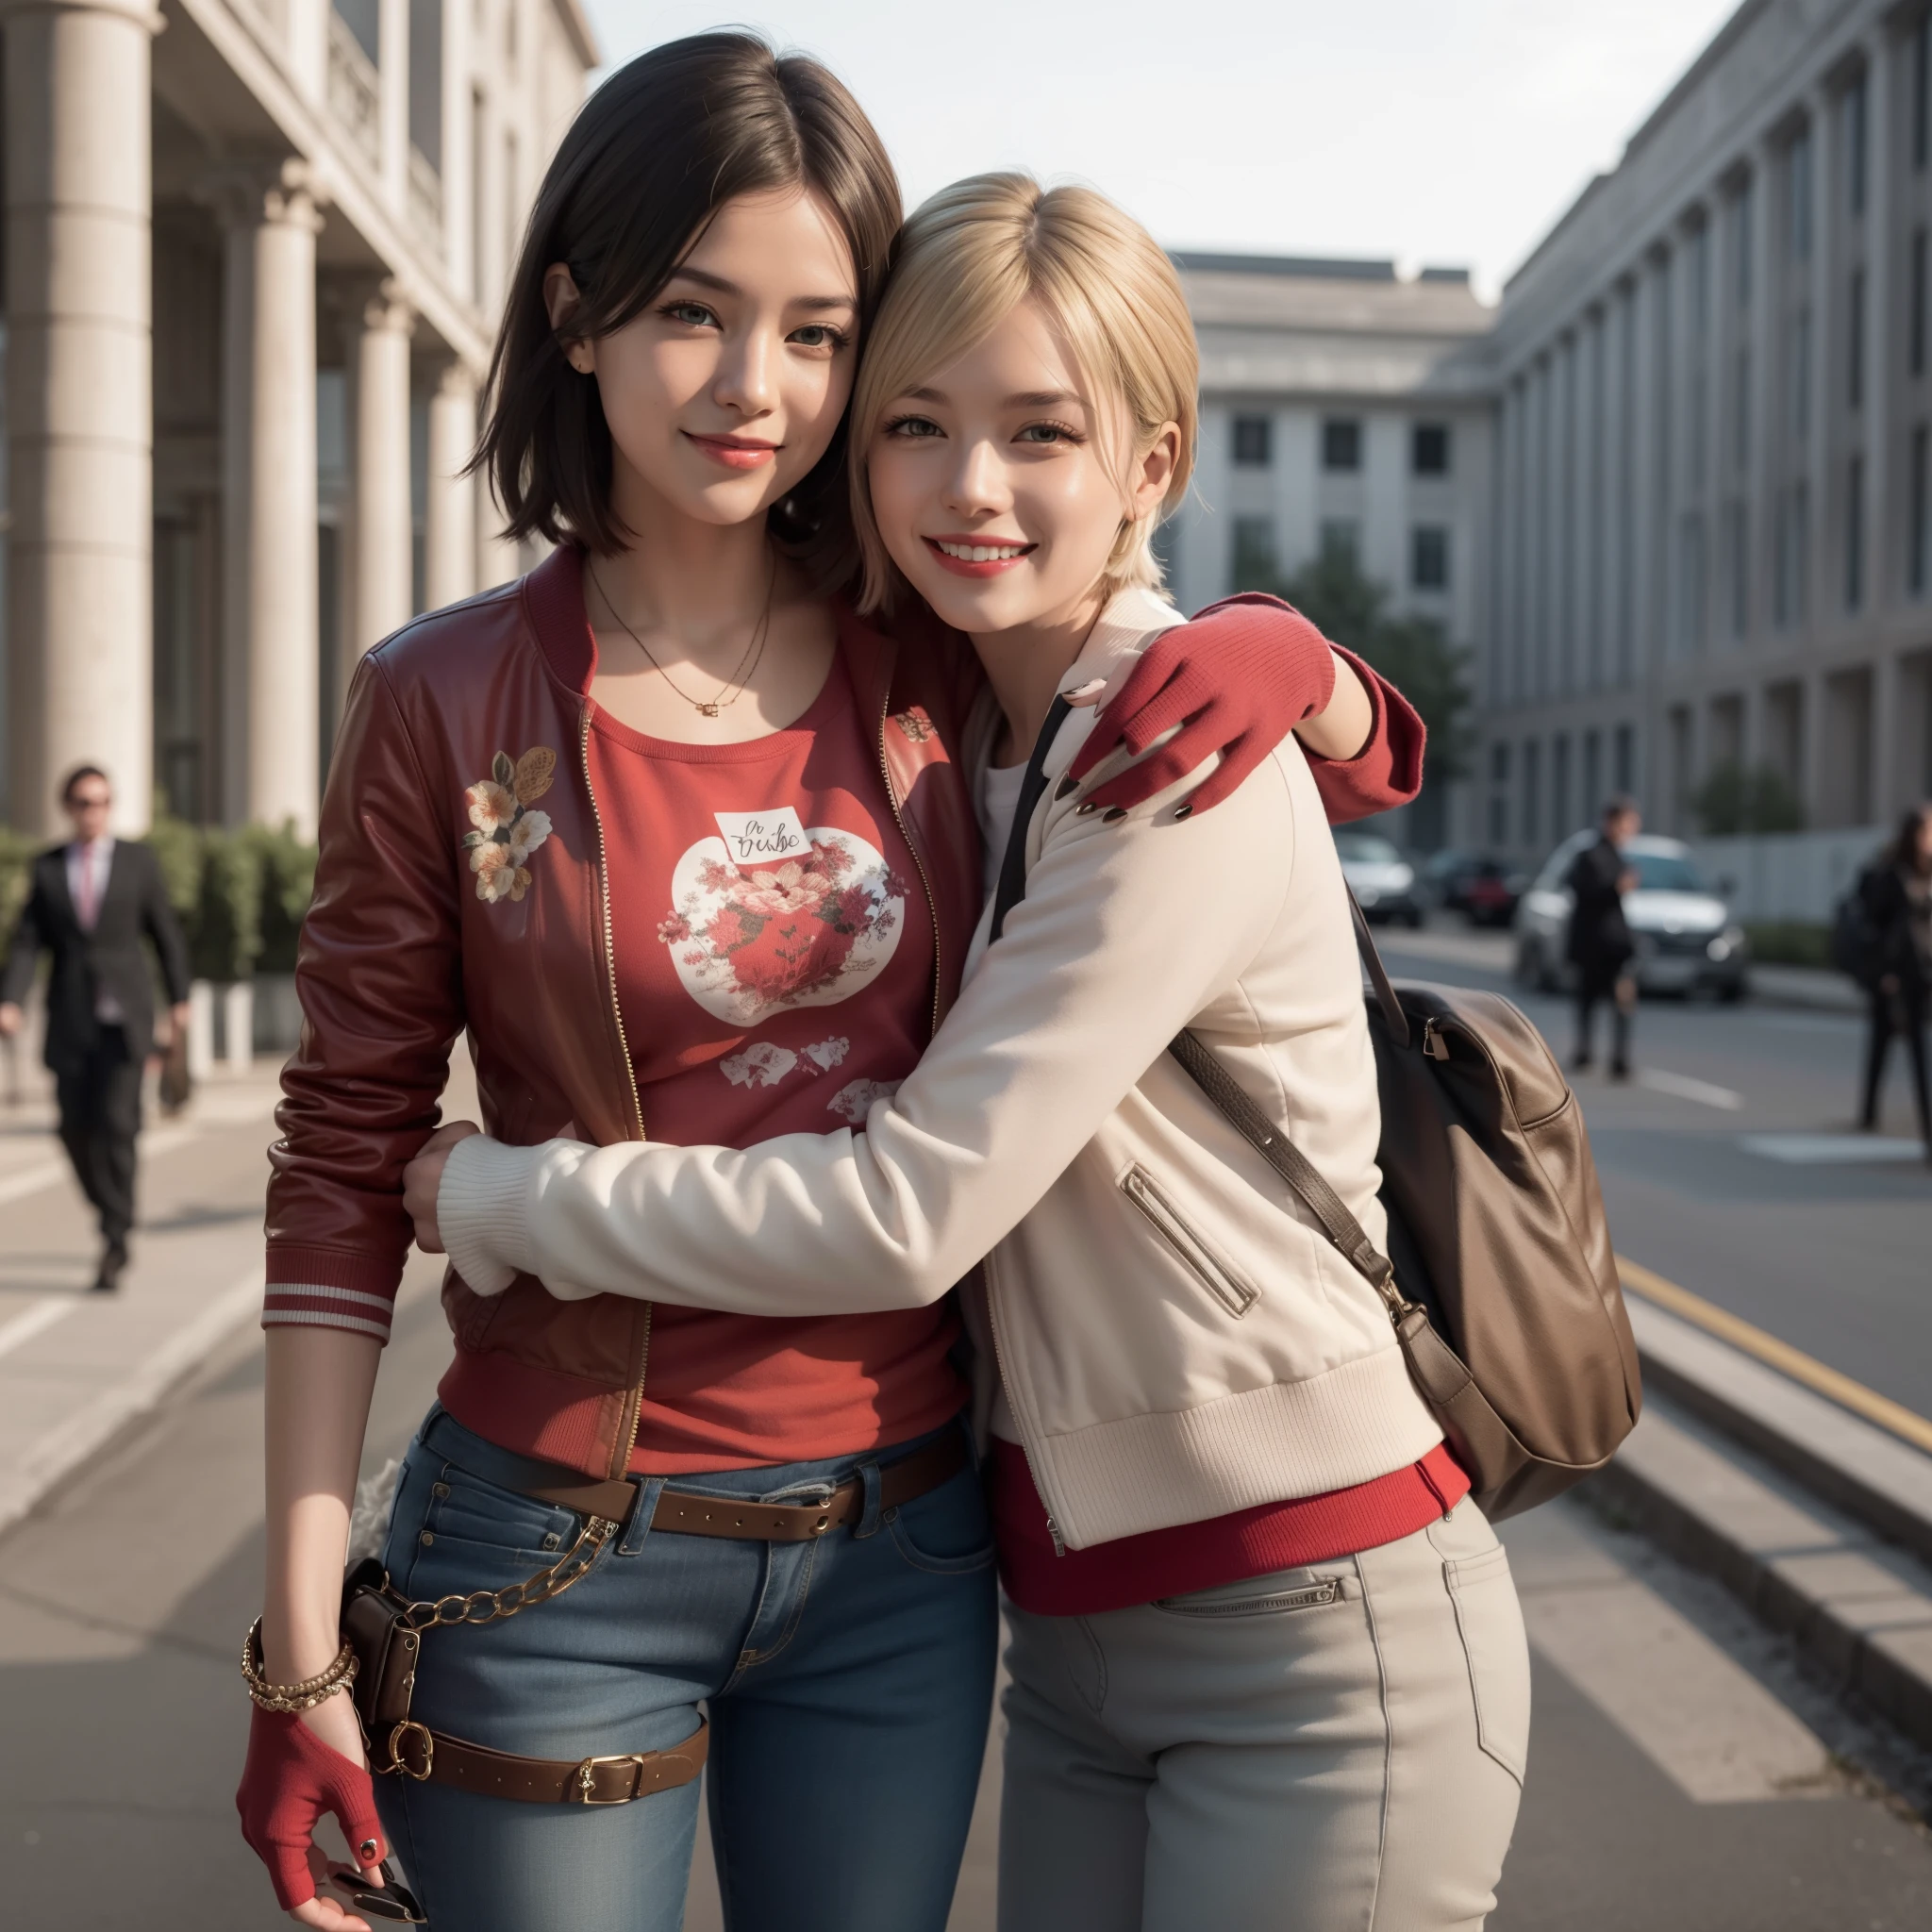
(1237,680)
(291,1778)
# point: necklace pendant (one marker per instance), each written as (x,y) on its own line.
(710,708)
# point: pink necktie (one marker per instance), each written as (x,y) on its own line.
(88,890)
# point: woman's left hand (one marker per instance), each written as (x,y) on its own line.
(423,1177)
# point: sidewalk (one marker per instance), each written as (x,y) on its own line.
(77,1368)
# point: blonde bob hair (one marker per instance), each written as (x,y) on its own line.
(966,259)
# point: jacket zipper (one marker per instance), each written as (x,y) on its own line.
(932,904)
(999,1362)
(634,1400)
(1221,1281)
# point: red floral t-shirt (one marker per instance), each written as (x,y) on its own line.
(774,951)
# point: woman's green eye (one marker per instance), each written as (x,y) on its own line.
(693,313)
(818,335)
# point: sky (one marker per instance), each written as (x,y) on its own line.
(1432,131)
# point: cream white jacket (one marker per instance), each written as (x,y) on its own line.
(1176,1338)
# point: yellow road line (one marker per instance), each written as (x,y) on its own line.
(1893,1417)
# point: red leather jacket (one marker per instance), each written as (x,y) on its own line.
(425,923)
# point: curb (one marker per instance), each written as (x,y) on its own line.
(65,1449)
(1842,1572)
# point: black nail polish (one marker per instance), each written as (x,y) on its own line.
(1114,814)
(1181,811)
(1080,811)
(1066,787)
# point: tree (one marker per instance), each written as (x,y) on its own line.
(1414,654)
(1734,799)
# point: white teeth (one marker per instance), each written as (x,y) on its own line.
(981,553)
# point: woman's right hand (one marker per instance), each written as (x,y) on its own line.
(299,1767)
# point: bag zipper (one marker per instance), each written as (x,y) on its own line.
(632,1416)
(1199,1260)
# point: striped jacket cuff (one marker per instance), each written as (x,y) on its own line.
(309,1289)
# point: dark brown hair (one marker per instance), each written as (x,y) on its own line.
(80,775)
(652,155)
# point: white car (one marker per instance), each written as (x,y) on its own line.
(1381,879)
(1685,937)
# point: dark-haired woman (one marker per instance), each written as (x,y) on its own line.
(682,845)
(1897,892)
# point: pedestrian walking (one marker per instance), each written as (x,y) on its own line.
(91,903)
(684,842)
(1600,944)
(1267,1667)
(1897,897)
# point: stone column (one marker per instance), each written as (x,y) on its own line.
(272,668)
(393,112)
(79,402)
(383,516)
(498,559)
(449,544)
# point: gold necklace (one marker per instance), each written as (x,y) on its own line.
(747,665)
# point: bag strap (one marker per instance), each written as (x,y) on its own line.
(1207,1073)
(1294,1167)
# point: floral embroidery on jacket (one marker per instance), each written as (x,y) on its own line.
(507,831)
(915,724)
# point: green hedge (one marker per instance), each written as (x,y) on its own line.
(1789,943)
(240,895)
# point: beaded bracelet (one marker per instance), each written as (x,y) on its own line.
(290,1698)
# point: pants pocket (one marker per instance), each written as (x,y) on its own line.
(1490,1620)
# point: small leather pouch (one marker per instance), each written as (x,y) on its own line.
(376,1626)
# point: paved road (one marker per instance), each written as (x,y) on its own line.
(1832,1255)
(1682,1777)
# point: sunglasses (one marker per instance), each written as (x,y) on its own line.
(391,1899)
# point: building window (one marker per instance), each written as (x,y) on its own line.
(1592,797)
(1791,536)
(1740,408)
(1740,241)
(1917,506)
(1915,314)
(1253,565)
(1499,795)
(1854,146)
(1623,759)
(1532,792)
(1341,537)
(1560,821)
(1801,372)
(1254,443)
(1428,558)
(1855,533)
(1429,449)
(1921,86)
(1341,444)
(1855,342)
(1691,586)
(1738,557)
(1798,198)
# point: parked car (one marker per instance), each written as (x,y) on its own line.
(1383,882)
(1687,941)
(1483,890)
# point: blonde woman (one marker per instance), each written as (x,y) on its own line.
(1268,1665)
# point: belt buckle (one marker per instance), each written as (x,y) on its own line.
(398,1763)
(584,1783)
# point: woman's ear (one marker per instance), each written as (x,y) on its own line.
(1154,472)
(561,299)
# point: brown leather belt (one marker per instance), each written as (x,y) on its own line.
(429,1756)
(686,1513)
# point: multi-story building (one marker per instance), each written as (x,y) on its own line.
(1714,504)
(255,254)
(1341,404)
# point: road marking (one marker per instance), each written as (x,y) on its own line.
(1830,1150)
(36,1321)
(32,1179)
(1880,1409)
(1685,1088)
(1683,1701)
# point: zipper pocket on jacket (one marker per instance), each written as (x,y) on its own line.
(1199,1260)
(1311,1596)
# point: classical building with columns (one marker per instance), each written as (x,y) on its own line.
(255,254)
(1714,446)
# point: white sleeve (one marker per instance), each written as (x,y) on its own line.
(1126,931)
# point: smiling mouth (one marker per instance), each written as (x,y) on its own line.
(967,557)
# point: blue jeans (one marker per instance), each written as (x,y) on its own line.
(847,1681)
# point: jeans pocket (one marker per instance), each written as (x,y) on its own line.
(946,1531)
(1490,1620)
(464,1508)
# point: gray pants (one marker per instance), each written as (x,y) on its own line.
(1336,1747)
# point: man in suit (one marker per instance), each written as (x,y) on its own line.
(91,903)
(1600,942)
